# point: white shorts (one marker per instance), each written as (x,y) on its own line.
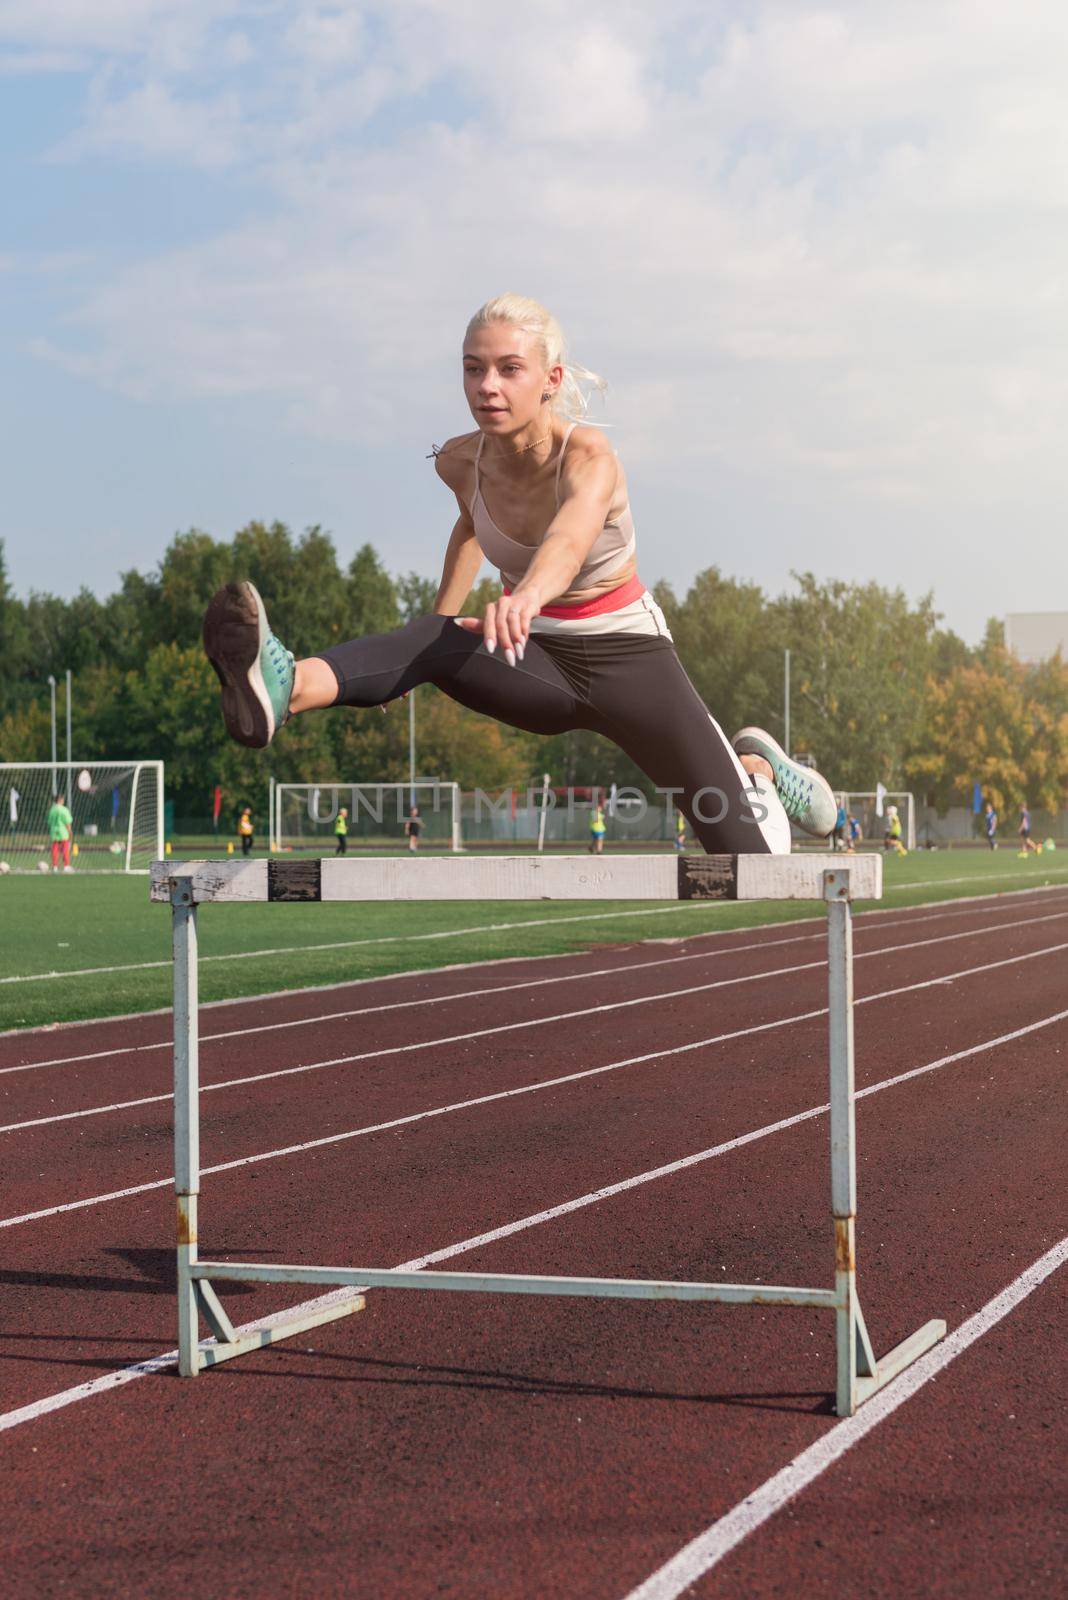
(641,616)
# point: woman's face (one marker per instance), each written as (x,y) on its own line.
(505,378)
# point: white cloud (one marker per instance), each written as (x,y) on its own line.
(821,246)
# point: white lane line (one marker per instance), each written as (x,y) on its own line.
(143,1369)
(530,983)
(979,877)
(458,933)
(435,1000)
(572,1077)
(961,906)
(352,944)
(724,1535)
(563,1016)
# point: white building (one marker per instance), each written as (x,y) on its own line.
(1036,635)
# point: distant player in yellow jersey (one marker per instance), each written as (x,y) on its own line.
(341,830)
(597,830)
(246,830)
(892,836)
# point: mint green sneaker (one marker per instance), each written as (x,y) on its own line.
(253,666)
(807,798)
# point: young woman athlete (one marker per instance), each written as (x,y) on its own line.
(575,640)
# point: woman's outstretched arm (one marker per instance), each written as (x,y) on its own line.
(463,557)
(587,487)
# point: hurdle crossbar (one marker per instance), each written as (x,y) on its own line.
(185,886)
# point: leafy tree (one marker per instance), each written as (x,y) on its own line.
(415,596)
(193,567)
(998,723)
(371,596)
(730,641)
(14,639)
(860,659)
(25,733)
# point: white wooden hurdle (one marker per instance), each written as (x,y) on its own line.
(655,877)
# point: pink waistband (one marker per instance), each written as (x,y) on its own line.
(614,600)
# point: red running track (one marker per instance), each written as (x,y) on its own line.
(478,1446)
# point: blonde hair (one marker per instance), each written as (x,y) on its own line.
(571,400)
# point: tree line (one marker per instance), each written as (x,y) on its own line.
(880,691)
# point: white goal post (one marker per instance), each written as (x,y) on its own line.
(304,815)
(116,809)
(862,805)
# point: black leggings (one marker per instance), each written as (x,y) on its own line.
(629,687)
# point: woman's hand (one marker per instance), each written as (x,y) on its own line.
(506,623)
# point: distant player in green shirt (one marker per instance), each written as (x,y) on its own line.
(60,828)
(341,828)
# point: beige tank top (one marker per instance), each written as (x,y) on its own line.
(610,552)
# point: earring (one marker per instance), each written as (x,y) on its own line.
(546,396)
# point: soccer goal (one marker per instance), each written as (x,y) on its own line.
(872,824)
(116,806)
(304,815)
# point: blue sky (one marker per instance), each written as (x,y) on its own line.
(818,252)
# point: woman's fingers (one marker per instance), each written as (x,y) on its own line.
(508,632)
(489,628)
(505,625)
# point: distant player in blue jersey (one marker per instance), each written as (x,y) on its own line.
(1027,844)
(990,823)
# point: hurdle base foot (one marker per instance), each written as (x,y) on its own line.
(210,1354)
(895,1361)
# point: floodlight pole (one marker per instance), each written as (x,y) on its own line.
(70,758)
(411,748)
(786,702)
(52,690)
(545,780)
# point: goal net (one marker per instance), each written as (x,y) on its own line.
(305,815)
(116,807)
(865,807)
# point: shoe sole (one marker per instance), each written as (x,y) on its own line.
(235,627)
(759,742)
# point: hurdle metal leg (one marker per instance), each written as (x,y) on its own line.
(196,1296)
(186,1118)
(858,1374)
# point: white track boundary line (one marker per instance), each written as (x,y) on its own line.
(458,933)
(963,906)
(546,1083)
(565,1016)
(724,1535)
(144,1369)
(530,983)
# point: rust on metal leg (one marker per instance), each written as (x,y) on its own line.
(187,1228)
(844,1255)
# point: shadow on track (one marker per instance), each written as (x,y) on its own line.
(405,1374)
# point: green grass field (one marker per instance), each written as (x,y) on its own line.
(55,930)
